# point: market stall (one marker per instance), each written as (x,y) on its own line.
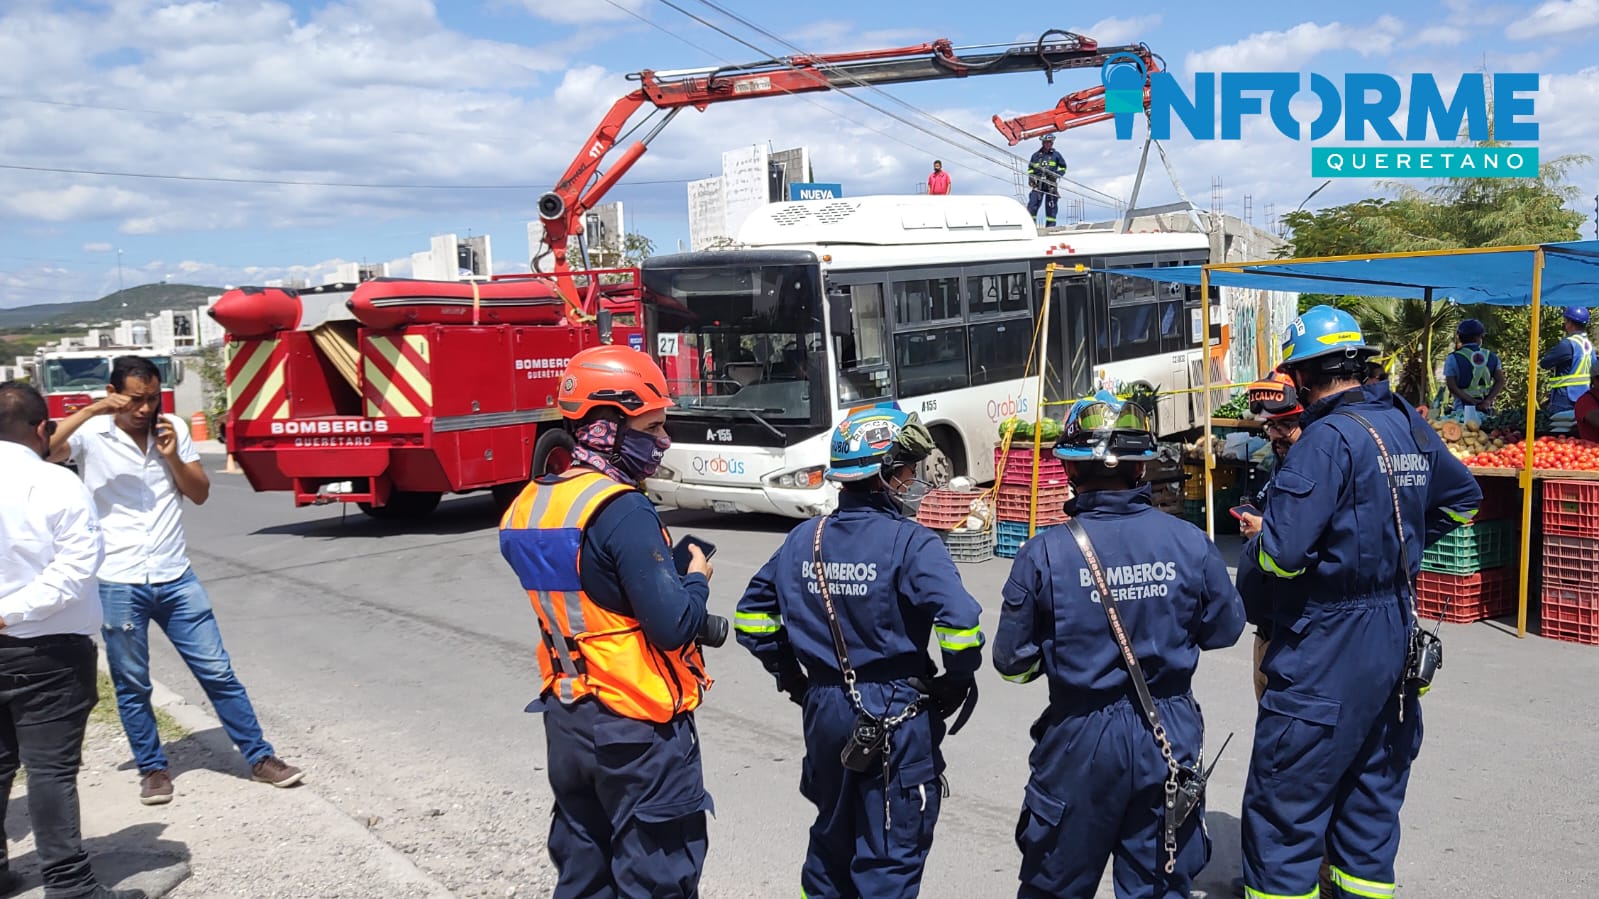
(1554,274)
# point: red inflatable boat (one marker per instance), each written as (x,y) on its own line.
(397,302)
(257,311)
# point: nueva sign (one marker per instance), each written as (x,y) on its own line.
(806,191)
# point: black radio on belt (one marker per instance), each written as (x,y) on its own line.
(866,742)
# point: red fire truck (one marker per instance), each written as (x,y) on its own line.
(393,392)
(72,379)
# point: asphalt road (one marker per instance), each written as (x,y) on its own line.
(395,662)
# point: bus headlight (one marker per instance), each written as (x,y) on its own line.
(803,479)
(663,473)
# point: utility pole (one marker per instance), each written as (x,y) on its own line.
(1596,216)
(119,270)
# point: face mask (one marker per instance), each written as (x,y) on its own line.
(639,455)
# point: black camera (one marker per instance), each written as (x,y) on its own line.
(713,631)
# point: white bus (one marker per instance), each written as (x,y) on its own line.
(926,302)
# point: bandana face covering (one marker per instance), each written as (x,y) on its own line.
(641,453)
(621,454)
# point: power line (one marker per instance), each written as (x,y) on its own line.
(300,183)
(1009,161)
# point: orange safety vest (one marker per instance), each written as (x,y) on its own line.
(588,649)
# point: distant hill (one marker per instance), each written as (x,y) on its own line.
(143,301)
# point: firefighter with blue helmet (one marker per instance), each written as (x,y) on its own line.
(842,617)
(1100,769)
(1572,361)
(1473,375)
(1339,721)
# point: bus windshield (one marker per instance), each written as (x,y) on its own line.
(88,373)
(741,340)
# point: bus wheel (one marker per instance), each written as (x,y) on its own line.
(403,505)
(936,469)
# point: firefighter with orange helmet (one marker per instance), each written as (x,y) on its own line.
(620,659)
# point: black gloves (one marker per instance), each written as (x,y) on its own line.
(949,692)
(795,685)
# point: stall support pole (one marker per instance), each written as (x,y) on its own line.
(1426,349)
(1038,410)
(1525,478)
(1204,343)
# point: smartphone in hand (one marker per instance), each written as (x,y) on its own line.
(683,557)
(1240,511)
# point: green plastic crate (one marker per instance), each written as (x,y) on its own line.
(1474,548)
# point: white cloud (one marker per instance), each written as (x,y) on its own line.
(1444,35)
(1556,18)
(97,248)
(1118,30)
(831,35)
(1290,50)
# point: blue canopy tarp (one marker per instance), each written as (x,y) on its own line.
(1500,276)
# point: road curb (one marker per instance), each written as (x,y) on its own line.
(205,729)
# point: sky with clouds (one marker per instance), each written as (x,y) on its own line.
(290,137)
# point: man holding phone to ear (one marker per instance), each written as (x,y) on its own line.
(140,465)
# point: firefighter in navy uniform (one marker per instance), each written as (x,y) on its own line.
(1044,169)
(1099,774)
(892,587)
(622,669)
(1339,722)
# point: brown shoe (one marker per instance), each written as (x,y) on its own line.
(155,788)
(273,770)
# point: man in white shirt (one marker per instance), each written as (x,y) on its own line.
(140,465)
(50,547)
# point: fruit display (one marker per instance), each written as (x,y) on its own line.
(1470,438)
(1556,453)
(1516,420)
(1049,428)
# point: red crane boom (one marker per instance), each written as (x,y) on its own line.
(1084,107)
(583,184)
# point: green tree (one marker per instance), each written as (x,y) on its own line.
(1452,213)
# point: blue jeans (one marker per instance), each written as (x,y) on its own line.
(183,610)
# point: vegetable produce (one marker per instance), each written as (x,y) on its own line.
(1471,439)
(1022,428)
(1233,408)
(1559,453)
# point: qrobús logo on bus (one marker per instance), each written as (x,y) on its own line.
(1368,105)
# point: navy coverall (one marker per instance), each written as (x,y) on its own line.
(894,587)
(630,800)
(1096,789)
(1043,174)
(1332,756)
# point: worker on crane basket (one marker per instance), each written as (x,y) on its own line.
(1043,174)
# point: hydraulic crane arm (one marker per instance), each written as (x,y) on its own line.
(1084,107)
(583,184)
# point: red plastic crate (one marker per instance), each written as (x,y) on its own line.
(1013,503)
(1571,613)
(1017,467)
(1464,598)
(1571,508)
(943,509)
(1501,498)
(1572,561)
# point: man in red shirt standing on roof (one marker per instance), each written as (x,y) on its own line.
(938,183)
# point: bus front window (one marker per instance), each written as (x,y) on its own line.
(740,338)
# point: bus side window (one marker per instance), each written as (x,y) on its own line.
(860,341)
